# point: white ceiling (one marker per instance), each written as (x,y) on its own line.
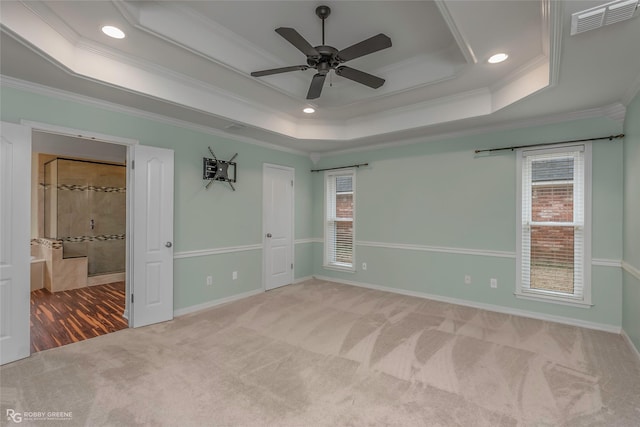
(191,61)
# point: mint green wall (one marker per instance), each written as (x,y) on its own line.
(631,228)
(204,219)
(439,194)
(432,193)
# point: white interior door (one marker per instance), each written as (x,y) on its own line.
(15,197)
(152,290)
(278,225)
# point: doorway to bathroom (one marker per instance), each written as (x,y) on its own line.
(78,246)
(149,230)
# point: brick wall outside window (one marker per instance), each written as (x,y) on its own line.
(552,248)
(344,229)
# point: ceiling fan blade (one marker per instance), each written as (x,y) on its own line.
(360,77)
(316,86)
(365,47)
(293,37)
(279,70)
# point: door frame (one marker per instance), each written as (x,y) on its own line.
(109,139)
(292,170)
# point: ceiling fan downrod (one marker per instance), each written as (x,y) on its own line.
(323,13)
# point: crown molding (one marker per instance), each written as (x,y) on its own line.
(44,12)
(616,112)
(226,96)
(223,38)
(631,93)
(85,59)
(520,72)
(461,41)
(217,35)
(89,60)
(10,82)
(479,130)
(412,62)
(552,19)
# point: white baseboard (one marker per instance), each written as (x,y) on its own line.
(483,306)
(302,279)
(125,314)
(103,279)
(634,350)
(215,302)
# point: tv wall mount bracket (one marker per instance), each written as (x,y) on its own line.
(219,170)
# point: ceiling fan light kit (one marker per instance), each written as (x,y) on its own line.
(325,58)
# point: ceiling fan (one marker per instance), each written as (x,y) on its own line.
(326,58)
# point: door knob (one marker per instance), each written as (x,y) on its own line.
(268,234)
(168,244)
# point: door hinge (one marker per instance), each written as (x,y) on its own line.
(292,183)
(292,266)
(133,164)
(131,298)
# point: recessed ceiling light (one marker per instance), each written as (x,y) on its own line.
(498,57)
(309,110)
(114,32)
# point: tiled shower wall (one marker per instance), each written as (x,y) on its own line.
(85,207)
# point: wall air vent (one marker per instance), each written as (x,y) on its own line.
(234,127)
(605,14)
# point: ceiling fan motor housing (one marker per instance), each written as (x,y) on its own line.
(328,59)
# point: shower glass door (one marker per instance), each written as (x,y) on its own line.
(85,207)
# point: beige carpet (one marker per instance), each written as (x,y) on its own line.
(327,354)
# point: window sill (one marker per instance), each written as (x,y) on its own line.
(552,299)
(339,268)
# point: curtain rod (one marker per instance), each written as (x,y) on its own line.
(610,138)
(341,167)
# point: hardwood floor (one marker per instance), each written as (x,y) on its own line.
(65,317)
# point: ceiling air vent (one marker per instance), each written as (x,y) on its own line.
(606,14)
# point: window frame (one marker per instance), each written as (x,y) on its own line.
(326,263)
(545,295)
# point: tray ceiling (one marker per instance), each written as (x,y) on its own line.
(191,61)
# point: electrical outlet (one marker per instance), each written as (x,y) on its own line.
(364,265)
(234,276)
(209,280)
(494,283)
(467,280)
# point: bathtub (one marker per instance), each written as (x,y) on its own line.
(37,273)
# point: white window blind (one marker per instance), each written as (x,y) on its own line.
(339,214)
(552,223)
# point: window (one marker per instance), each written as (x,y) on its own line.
(339,214)
(553,224)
